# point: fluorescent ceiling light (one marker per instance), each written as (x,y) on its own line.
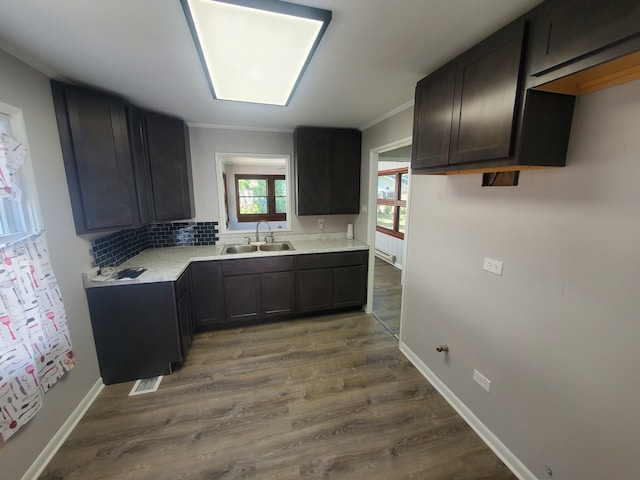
(254,50)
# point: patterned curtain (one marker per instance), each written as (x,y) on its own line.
(35,349)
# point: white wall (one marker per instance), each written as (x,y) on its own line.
(206,142)
(558,333)
(392,245)
(25,88)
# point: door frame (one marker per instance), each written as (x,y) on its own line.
(374,155)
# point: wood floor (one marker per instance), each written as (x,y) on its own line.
(323,397)
(387,294)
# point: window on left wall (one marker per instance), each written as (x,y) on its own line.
(17,217)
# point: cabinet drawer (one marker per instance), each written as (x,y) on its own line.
(329,260)
(245,266)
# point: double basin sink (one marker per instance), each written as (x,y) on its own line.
(266,247)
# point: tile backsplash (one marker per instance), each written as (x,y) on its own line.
(112,250)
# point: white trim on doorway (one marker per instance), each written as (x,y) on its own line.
(374,155)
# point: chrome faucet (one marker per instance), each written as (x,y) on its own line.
(270,232)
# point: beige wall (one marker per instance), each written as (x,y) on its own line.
(25,88)
(558,332)
(206,142)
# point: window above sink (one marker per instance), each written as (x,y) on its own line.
(251,188)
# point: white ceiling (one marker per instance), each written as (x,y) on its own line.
(366,66)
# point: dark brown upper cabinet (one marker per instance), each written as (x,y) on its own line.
(567,30)
(474,115)
(432,118)
(170,165)
(141,170)
(124,167)
(485,99)
(581,46)
(327,170)
(97,158)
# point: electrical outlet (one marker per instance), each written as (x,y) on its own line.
(492,266)
(481,380)
(321,223)
(365,209)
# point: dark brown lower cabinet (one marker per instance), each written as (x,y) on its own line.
(138,330)
(277,297)
(184,309)
(257,289)
(349,286)
(327,281)
(242,298)
(208,295)
(315,290)
(141,330)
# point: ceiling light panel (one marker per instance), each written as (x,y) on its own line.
(254,50)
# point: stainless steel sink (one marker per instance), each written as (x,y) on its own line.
(267,247)
(240,249)
(276,247)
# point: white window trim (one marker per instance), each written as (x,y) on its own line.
(220,159)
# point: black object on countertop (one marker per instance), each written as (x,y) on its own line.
(130,273)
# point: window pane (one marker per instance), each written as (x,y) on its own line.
(387,187)
(12,218)
(404,186)
(253,205)
(281,204)
(385,216)
(252,187)
(4,124)
(402,221)
(281,188)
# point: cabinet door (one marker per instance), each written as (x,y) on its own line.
(344,171)
(486,95)
(312,147)
(569,29)
(98,161)
(242,298)
(141,172)
(170,164)
(314,290)
(349,286)
(432,118)
(208,296)
(277,294)
(185,322)
(135,329)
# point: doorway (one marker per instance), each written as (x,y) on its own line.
(389,193)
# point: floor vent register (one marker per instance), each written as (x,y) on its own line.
(145,385)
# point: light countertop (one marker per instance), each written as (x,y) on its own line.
(167,264)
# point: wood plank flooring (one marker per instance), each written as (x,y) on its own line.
(387,294)
(317,398)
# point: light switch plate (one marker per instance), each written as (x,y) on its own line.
(493,266)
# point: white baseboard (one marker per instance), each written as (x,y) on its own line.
(41,462)
(487,436)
